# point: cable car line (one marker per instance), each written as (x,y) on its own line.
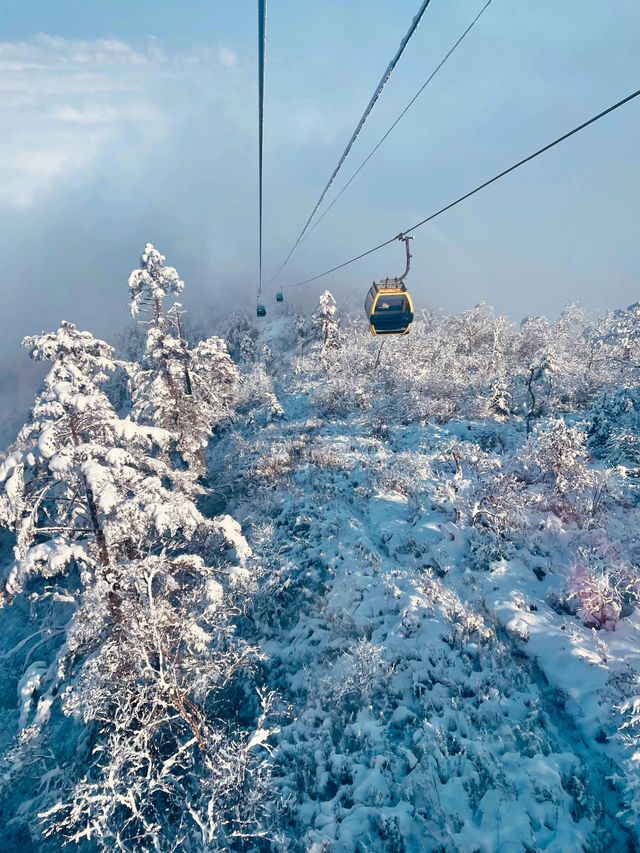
(387,74)
(262,44)
(477,189)
(400,117)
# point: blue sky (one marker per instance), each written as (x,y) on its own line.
(128,122)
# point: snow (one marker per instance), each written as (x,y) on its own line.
(9,464)
(214,591)
(232,533)
(99,480)
(127,430)
(47,558)
(300,600)
(27,686)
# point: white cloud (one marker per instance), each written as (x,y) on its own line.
(107,114)
(35,171)
(227,57)
(64,101)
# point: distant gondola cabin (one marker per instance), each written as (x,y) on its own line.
(389,308)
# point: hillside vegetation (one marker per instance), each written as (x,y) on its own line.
(285,589)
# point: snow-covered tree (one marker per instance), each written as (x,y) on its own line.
(149,655)
(623,340)
(185,391)
(241,335)
(538,388)
(154,682)
(557,454)
(188,391)
(325,317)
(82,484)
(151,283)
(500,402)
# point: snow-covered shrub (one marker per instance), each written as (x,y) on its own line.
(466,627)
(487,547)
(334,400)
(501,503)
(603,588)
(407,473)
(599,601)
(359,674)
(614,431)
(333,455)
(279,458)
(556,453)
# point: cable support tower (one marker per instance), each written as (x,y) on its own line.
(262,45)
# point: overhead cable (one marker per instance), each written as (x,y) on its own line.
(400,117)
(388,72)
(472,192)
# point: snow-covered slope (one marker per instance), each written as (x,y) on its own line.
(428,640)
(430,704)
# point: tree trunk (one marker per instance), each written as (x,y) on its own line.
(91,504)
(183,344)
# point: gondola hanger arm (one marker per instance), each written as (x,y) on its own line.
(405,238)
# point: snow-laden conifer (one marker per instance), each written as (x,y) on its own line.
(188,391)
(151,283)
(108,531)
(80,483)
(325,317)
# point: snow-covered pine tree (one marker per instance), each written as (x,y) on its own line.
(301,329)
(500,401)
(83,489)
(186,391)
(325,317)
(241,336)
(151,283)
(47,494)
(101,516)
(80,483)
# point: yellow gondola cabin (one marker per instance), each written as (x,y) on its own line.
(389,308)
(388,304)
